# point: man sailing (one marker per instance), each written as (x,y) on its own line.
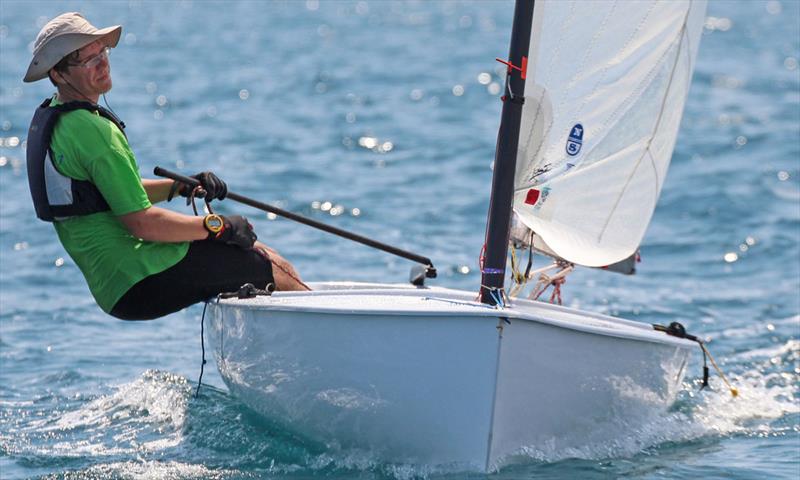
(140,261)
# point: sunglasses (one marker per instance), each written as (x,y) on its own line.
(94,60)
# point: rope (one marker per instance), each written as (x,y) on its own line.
(675,329)
(203,348)
(557,289)
(481,262)
(520,279)
(192,196)
(498,295)
(556,281)
(530,258)
(264,253)
(734,391)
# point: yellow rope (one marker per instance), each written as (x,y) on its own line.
(519,278)
(734,392)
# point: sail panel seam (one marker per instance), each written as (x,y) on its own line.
(625,105)
(604,72)
(655,128)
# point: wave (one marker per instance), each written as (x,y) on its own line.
(156,420)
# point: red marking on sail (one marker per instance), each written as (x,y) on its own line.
(532,197)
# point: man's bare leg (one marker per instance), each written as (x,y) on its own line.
(284,273)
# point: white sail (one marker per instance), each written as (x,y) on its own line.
(604,94)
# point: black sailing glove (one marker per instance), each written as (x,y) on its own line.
(211,187)
(235,230)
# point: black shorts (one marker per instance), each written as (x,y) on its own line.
(209,268)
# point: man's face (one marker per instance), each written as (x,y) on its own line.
(90,74)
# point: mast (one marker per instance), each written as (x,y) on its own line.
(498,224)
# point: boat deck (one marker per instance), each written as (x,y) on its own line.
(405,300)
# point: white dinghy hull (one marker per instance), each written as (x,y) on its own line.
(429,376)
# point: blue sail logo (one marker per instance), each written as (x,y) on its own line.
(575,140)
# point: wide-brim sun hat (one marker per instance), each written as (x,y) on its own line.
(63,35)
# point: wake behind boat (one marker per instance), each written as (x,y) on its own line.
(593,101)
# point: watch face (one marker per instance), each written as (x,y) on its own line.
(214,223)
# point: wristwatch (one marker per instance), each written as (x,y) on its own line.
(214,224)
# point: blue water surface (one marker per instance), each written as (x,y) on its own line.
(381,117)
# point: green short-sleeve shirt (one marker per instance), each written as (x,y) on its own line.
(87,146)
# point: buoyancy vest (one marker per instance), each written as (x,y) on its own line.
(56,196)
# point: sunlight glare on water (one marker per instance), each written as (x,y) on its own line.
(381,118)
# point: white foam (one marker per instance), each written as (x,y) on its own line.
(764,396)
(361,460)
(772,351)
(115,424)
(151,470)
(156,400)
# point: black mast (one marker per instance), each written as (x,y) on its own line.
(498,224)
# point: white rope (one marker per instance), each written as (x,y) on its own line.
(546,280)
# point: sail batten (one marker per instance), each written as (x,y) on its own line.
(607,84)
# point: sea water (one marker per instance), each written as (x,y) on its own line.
(381,117)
